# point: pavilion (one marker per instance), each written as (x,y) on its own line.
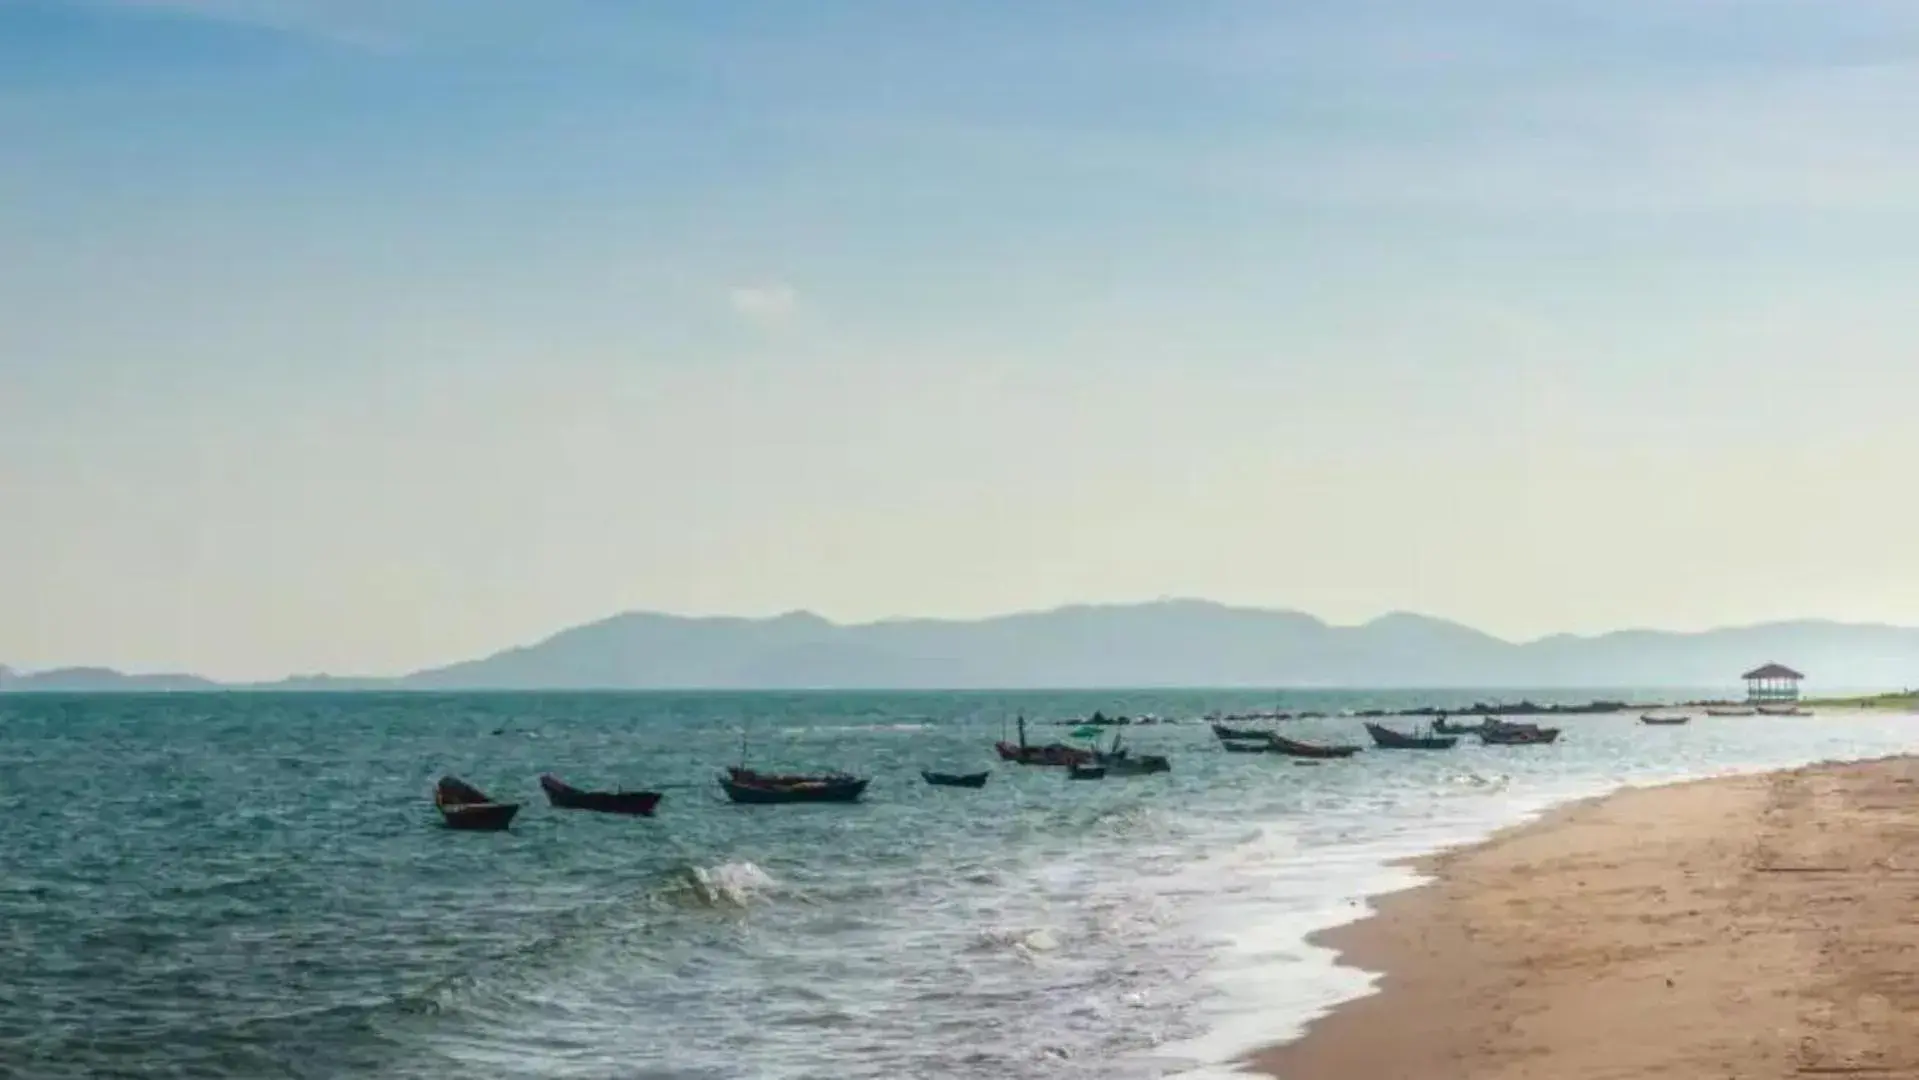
(1771,683)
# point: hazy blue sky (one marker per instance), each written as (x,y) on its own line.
(365,334)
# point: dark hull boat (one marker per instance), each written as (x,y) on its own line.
(1387,739)
(1227,734)
(971,780)
(1086,772)
(1518,736)
(1295,748)
(567,797)
(1654,720)
(1128,765)
(1056,755)
(759,789)
(463,806)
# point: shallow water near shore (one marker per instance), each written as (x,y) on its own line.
(256,885)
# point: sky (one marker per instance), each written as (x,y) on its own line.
(364,335)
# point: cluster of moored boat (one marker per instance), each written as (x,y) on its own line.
(1443,735)
(463,806)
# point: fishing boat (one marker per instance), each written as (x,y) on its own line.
(1518,735)
(1228,734)
(941,779)
(1086,772)
(1387,739)
(1443,726)
(1656,720)
(463,806)
(1119,761)
(1730,711)
(1295,748)
(1125,764)
(1055,755)
(567,797)
(1783,710)
(746,786)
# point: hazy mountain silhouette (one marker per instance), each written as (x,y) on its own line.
(98,680)
(1166,643)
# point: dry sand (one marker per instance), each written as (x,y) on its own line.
(1749,927)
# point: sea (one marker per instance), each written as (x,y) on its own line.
(257,885)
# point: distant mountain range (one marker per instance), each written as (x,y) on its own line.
(1166,643)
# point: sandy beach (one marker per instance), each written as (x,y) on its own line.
(1763,926)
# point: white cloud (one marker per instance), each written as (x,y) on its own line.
(769,302)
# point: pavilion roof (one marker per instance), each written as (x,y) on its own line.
(1772,671)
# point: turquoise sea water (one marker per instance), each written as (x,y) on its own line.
(257,886)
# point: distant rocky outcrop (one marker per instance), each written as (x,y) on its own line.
(99,680)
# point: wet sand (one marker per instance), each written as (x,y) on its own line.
(1749,927)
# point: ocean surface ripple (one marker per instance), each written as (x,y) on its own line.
(252,885)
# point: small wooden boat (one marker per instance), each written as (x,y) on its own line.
(1232,734)
(747,786)
(463,806)
(1260,747)
(1655,720)
(567,797)
(1086,772)
(1783,710)
(940,779)
(1724,711)
(1295,748)
(1518,735)
(1053,755)
(1387,739)
(1128,765)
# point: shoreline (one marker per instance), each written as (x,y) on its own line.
(1735,926)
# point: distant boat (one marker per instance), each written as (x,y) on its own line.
(463,806)
(1443,726)
(567,797)
(1387,739)
(968,780)
(1656,720)
(1128,765)
(747,786)
(1783,710)
(1518,735)
(1055,755)
(1242,734)
(1295,748)
(1730,711)
(1119,761)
